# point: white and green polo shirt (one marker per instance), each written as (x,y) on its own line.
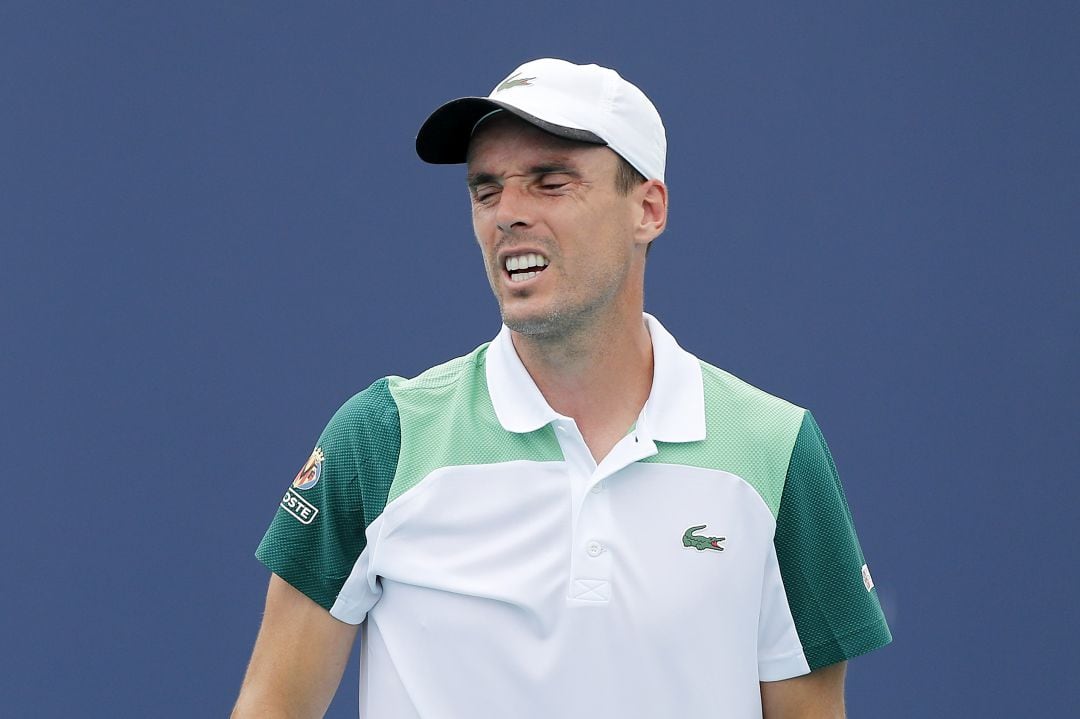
(498,571)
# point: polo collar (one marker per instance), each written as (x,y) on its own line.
(674,412)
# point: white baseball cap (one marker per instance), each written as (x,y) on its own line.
(587,103)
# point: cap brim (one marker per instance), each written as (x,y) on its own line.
(444,137)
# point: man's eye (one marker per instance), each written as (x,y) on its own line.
(554,182)
(485,194)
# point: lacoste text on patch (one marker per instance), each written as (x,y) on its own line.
(299,507)
(867,581)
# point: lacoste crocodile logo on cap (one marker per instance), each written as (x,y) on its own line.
(701,543)
(514,81)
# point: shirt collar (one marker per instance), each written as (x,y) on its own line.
(674,412)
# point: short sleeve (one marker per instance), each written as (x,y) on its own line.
(833,602)
(318,532)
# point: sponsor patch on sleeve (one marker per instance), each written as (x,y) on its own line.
(297,506)
(309,474)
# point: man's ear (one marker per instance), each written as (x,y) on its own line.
(652,199)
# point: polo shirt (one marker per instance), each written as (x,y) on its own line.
(497,570)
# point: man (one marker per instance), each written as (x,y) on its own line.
(579,519)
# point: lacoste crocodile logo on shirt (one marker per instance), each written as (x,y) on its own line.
(514,81)
(701,543)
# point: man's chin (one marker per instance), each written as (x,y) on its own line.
(551,323)
(532,324)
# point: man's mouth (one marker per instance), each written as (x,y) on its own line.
(525,267)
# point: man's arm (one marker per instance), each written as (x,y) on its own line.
(817,695)
(298,659)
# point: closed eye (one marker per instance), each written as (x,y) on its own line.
(484,194)
(554,181)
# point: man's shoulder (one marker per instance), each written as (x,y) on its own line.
(369,410)
(734,407)
(748,432)
(450,373)
(723,385)
(380,401)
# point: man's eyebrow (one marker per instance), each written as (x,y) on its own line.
(554,168)
(476,179)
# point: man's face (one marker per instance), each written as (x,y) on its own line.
(556,235)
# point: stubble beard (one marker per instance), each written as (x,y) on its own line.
(553,323)
(559,323)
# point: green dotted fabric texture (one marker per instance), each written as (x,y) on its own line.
(360,445)
(836,617)
(748,433)
(447,420)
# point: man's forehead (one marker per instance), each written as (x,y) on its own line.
(509,139)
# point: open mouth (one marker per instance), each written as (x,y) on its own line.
(525,267)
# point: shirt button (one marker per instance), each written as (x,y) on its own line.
(597,488)
(594,549)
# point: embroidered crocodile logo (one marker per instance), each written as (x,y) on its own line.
(514,81)
(700,543)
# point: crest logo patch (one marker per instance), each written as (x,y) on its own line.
(309,474)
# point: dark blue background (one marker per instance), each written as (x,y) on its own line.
(213,230)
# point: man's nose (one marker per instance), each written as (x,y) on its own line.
(514,211)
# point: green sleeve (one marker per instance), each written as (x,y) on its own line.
(836,611)
(317,533)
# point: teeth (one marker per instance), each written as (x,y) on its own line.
(522,262)
(522,276)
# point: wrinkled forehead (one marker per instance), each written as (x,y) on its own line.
(504,135)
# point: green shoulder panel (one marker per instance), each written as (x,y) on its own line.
(318,531)
(836,615)
(447,419)
(748,433)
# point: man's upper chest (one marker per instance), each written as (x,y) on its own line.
(560,531)
(497,496)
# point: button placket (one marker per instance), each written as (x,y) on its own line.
(590,559)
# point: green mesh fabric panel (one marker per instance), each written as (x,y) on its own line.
(360,445)
(820,559)
(447,420)
(748,433)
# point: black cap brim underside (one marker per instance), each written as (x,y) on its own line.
(444,137)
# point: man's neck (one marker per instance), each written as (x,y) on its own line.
(600,375)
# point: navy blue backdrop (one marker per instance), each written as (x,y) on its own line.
(213,230)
